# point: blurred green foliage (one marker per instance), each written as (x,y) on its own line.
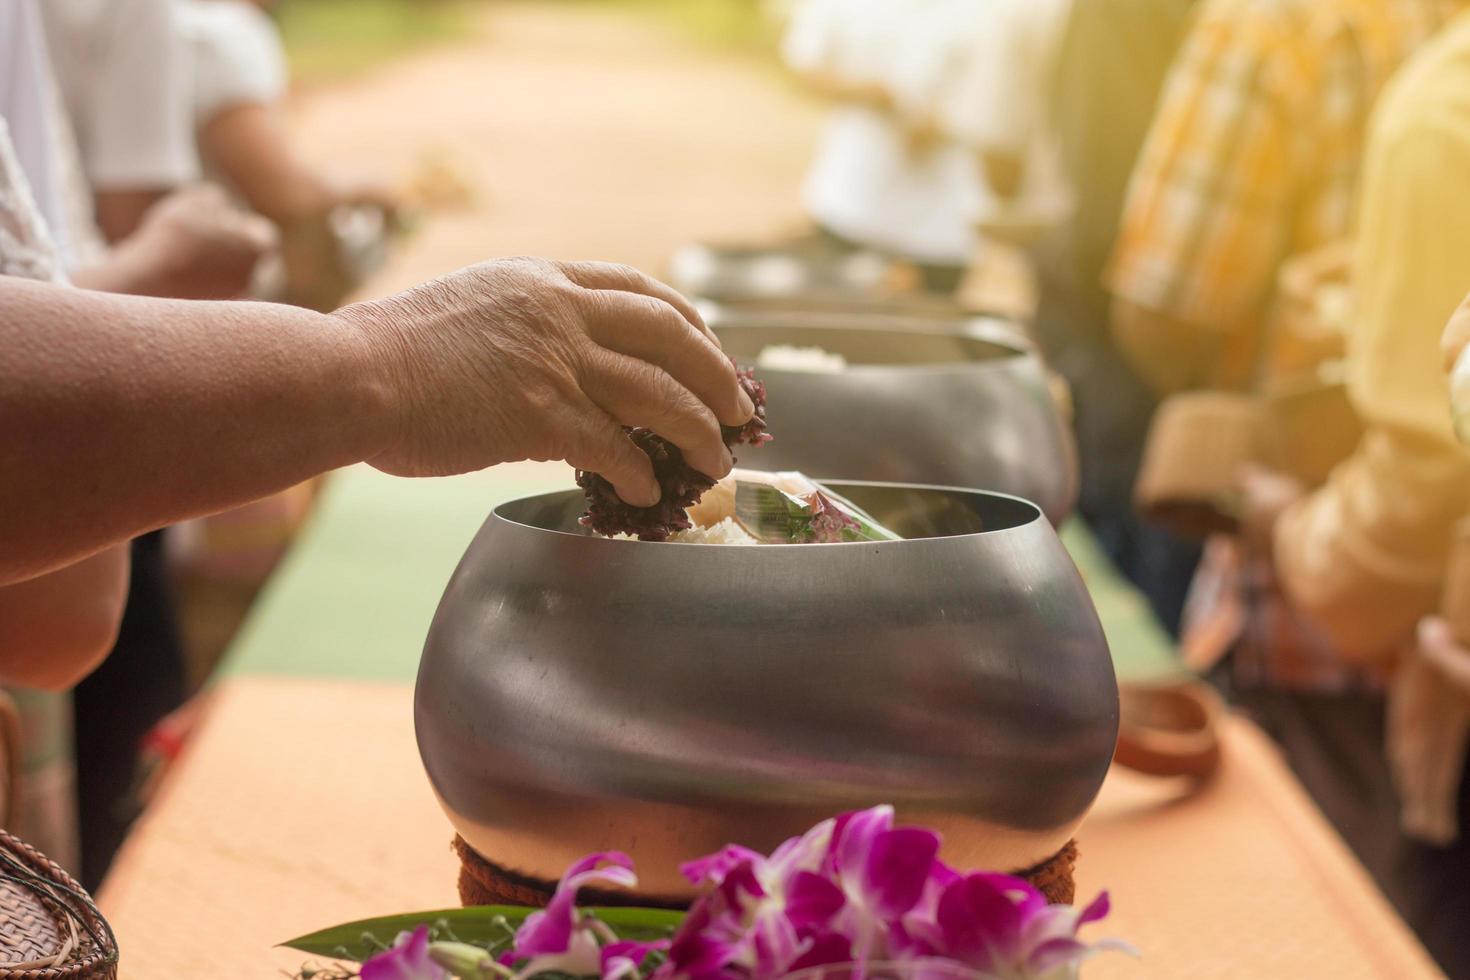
(328,40)
(738,24)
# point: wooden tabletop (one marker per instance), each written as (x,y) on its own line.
(302,803)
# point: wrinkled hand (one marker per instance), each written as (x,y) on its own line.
(194,244)
(532,359)
(1264,495)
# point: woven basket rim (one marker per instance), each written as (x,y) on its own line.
(90,955)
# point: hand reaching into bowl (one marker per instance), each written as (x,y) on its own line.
(182,408)
(528,359)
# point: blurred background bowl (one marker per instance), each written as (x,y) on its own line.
(955,401)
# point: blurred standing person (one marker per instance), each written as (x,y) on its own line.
(1362,560)
(123,70)
(1056,97)
(124,75)
(878,181)
(239,80)
(1253,157)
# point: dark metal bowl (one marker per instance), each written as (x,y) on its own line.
(580,693)
(956,401)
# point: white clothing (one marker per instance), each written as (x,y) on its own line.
(26,247)
(870,185)
(124,74)
(869,182)
(236,54)
(982,69)
(32,187)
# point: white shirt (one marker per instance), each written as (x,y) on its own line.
(32,195)
(869,183)
(982,70)
(236,53)
(124,73)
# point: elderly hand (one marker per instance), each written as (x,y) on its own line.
(1265,495)
(532,359)
(194,244)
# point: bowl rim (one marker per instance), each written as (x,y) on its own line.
(984,328)
(1036,515)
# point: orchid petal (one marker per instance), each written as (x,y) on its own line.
(897,868)
(549,931)
(623,957)
(852,837)
(827,949)
(712,868)
(978,920)
(407,959)
(812,900)
(1097,909)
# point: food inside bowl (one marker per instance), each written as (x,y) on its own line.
(681,484)
(749,507)
(790,357)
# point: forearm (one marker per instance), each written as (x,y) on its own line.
(54,629)
(164,410)
(249,144)
(1364,556)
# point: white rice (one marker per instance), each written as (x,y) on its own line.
(727,531)
(812,360)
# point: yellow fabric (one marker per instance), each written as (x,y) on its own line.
(1254,154)
(1365,555)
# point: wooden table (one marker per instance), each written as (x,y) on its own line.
(302,804)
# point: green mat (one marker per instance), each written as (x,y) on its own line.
(355,596)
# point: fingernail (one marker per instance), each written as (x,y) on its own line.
(727,463)
(747,407)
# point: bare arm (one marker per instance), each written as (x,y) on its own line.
(122,414)
(125,413)
(56,628)
(249,145)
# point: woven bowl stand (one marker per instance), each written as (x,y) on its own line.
(49,927)
(484,882)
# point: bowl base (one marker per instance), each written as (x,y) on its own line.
(485,882)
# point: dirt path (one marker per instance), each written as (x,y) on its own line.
(589,133)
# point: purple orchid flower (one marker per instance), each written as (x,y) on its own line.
(1005,928)
(408,959)
(555,939)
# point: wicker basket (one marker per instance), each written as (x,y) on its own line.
(49,927)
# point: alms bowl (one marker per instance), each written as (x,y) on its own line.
(580,693)
(947,401)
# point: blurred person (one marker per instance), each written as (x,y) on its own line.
(239,80)
(1340,578)
(186,245)
(979,73)
(1253,157)
(1078,138)
(124,74)
(878,182)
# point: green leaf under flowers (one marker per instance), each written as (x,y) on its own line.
(490,926)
